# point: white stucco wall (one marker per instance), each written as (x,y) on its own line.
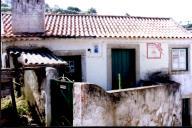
(96,64)
(150,65)
(185,78)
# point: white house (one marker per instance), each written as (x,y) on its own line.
(102,49)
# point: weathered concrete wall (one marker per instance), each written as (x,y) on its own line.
(37,91)
(34,93)
(147,106)
(92,106)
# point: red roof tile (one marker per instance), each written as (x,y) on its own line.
(62,25)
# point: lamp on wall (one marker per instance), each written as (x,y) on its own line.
(94,50)
(89,50)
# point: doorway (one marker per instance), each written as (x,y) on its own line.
(73,70)
(123,68)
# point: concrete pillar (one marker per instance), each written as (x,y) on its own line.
(77,104)
(51,73)
(3,60)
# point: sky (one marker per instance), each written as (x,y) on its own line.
(180,10)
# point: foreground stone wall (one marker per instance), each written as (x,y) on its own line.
(158,105)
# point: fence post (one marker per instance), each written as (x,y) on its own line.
(51,73)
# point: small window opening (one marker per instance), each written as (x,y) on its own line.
(179,59)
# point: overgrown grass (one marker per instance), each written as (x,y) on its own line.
(5,103)
(23,111)
(21,103)
(22,106)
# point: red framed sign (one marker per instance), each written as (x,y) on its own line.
(154,50)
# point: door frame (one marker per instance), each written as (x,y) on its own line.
(109,60)
(81,53)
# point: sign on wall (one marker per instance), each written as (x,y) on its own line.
(95,50)
(154,50)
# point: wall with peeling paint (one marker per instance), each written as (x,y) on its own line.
(158,105)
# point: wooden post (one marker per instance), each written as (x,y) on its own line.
(13,98)
(119,80)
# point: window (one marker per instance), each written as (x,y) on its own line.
(179,57)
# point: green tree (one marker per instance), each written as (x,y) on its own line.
(69,10)
(92,11)
(58,10)
(48,8)
(74,9)
(5,7)
(127,14)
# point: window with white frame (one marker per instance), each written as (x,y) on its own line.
(179,57)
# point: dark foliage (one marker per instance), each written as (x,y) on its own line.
(156,78)
(159,77)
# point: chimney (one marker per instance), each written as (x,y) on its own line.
(28,16)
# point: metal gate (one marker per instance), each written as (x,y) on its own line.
(62,102)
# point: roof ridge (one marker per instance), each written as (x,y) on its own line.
(145,17)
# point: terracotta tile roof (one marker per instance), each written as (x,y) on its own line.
(40,56)
(62,25)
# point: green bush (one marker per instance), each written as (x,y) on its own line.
(6,103)
(21,103)
(22,106)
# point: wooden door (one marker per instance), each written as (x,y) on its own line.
(123,68)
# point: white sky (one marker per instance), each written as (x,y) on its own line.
(180,10)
